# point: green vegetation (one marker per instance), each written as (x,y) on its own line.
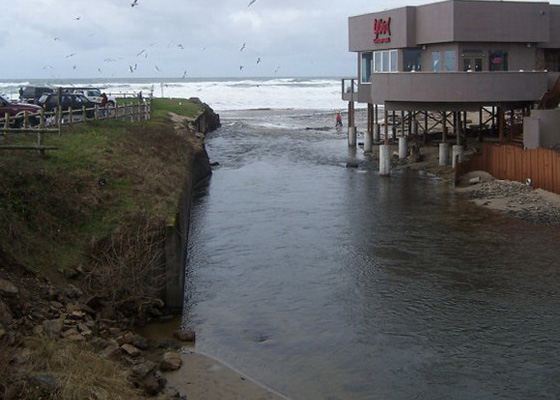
(53,209)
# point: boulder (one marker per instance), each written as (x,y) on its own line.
(142,370)
(171,362)
(140,342)
(131,350)
(153,384)
(5,313)
(185,335)
(8,289)
(111,352)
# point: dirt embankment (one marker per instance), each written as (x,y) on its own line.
(82,257)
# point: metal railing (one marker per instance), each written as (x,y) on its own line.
(349,88)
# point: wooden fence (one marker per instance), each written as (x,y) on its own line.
(513,163)
(52,122)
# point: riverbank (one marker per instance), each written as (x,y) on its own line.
(83,255)
(515,199)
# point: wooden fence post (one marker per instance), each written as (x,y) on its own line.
(6,124)
(84,114)
(42,119)
(25,120)
(59,118)
(96,112)
(117,111)
(70,116)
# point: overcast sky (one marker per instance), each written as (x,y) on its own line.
(297,37)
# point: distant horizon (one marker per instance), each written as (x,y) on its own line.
(156,79)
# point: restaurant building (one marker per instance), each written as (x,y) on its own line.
(430,65)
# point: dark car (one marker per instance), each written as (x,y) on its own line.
(67,100)
(16,112)
(32,94)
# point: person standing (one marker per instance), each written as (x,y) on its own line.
(104,102)
(339,120)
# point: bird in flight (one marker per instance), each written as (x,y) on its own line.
(135,67)
(142,52)
(184,74)
(181,46)
(276,70)
(56,39)
(251,3)
(109,60)
(241,67)
(243,47)
(47,67)
(99,70)
(156,68)
(134,3)
(258,61)
(131,68)
(70,55)
(74,67)
(78,18)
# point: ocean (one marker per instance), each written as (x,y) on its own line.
(222,94)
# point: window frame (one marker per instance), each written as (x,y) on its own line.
(362,66)
(386,59)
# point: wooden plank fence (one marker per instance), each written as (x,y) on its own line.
(511,162)
(52,122)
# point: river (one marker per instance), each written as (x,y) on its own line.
(324,282)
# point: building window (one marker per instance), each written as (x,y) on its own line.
(450,60)
(498,61)
(386,61)
(412,60)
(436,61)
(367,64)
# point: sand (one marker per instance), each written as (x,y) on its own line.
(203,378)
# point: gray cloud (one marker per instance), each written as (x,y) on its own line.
(303,37)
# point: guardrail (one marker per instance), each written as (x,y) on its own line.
(53,121)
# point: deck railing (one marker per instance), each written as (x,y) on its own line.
(349,89)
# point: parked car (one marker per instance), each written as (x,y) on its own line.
(31,94)
(94,95)
(67,100)
(17,111)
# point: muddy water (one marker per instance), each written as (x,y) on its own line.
(330,283)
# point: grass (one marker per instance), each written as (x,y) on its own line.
(52,209)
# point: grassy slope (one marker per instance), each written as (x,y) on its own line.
(53,208)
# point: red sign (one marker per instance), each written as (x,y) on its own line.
(382,30)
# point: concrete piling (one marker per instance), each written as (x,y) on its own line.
(376,133)
(443,154)
(352,136)
(457,155)
(385,160)
(368,141)
(403,148)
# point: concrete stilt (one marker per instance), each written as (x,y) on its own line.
(352,136)
(443,154)
(403,148)
(457,155)
(368,141)
(384,160)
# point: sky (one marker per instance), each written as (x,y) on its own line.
(195,38)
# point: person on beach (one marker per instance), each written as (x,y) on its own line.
(339,120)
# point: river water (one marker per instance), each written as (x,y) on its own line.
(324,282)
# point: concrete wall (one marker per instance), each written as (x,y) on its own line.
(435,23)
(554,26)
(402,30)
(491,21)
(542,129)
(462,87)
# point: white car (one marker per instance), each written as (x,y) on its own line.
(94,95)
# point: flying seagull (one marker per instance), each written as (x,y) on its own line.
(99,70)
(156,68)
(142,52)
(276,70)
(241,67)
(109,60)
(258,60)
(134,3)
(74,67)
(184,74)
(135,67)
(243,47)
(47,67)
(78,18)
(181,46)
(56,39)
(70,55)
(251,3)
(131,68)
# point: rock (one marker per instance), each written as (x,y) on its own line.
(131,350)
(76,338)
(153,384)
(5,313)
(72,292)
(45,382)
(140,342)
(185,335)
(8,289)
(111,352)
(84,330)
(53,328)
(77,315)
(215,164)
(171,362)
(352,165)
(69,332)
(474,181)
(140,371)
